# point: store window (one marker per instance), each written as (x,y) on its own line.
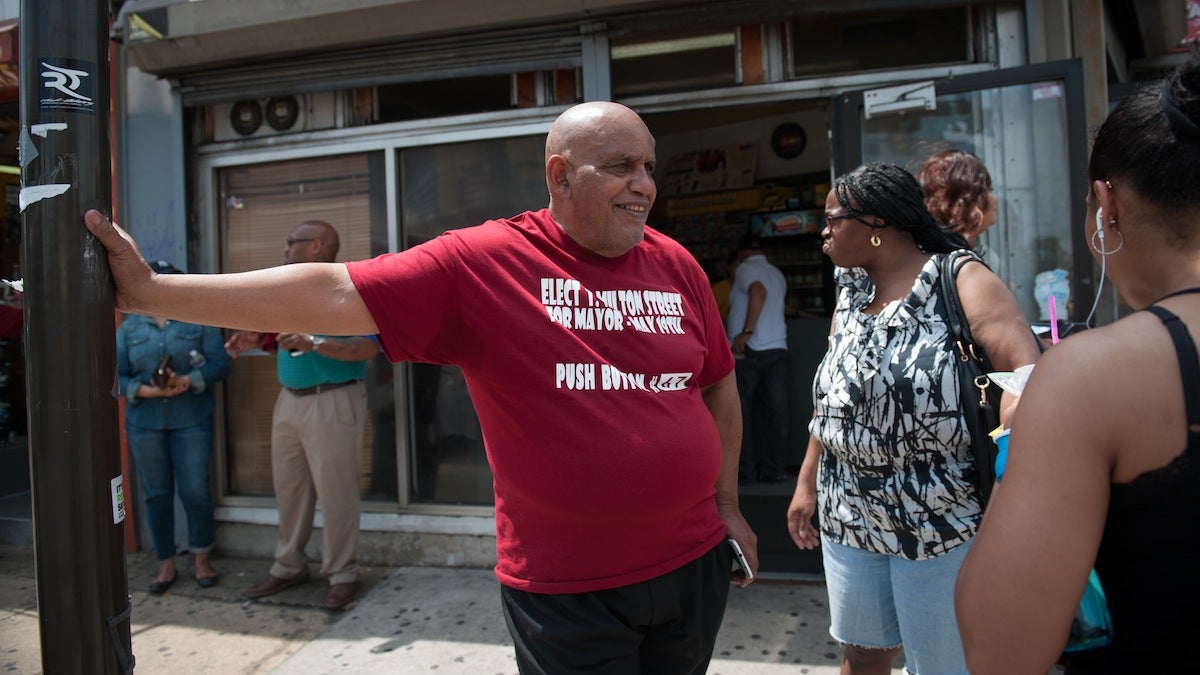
(260,205)
(873,41)
(446,187)
(674,64)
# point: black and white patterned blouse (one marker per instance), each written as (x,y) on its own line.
(896,476)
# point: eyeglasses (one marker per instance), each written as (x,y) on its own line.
(830,220)
(292,241)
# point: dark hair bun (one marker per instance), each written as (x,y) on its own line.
(1181,98)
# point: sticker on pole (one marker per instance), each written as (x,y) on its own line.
(118,499)
(67,84)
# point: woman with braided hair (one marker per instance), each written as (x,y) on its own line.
(889,465)
(1103,467)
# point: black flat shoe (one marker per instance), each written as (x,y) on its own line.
(160,587)
(208,582)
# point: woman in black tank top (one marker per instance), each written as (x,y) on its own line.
(1104,456)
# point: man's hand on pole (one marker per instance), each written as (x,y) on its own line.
(129,269)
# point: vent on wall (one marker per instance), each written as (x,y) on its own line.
(256,118)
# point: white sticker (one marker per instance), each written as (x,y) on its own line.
(118,499)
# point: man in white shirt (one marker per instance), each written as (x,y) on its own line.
(758,334)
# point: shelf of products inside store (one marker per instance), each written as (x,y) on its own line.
(808,272)
(786,218)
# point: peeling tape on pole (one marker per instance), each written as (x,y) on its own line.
(36,193)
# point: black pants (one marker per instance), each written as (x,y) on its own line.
(762,380)
(664,626)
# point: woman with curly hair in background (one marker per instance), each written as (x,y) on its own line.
(958,192)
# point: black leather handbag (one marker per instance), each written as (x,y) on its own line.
(979,395)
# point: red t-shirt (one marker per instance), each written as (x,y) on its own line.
(585,373)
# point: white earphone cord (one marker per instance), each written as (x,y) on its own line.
(1103,258)
(1099,290)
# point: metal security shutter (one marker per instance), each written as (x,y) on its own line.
(509,52)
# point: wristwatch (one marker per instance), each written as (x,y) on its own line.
(317,341)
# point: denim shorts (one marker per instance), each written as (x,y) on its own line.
(881,601)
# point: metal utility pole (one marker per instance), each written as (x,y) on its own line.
(78,496)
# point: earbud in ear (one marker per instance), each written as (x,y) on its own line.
(1100,225)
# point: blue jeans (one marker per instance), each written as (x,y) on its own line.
(762,380)
(166,458)
(880,601)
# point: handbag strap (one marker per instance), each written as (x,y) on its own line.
(956,317)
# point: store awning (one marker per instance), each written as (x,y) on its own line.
(169,38)
(10,71)
(173,37)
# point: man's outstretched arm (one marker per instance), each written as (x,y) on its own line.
(304,297)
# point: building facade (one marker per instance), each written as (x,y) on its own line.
(397,120)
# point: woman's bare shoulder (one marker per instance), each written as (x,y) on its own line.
(1107,384)
(1125,347)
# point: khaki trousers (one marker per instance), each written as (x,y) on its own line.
(316,446)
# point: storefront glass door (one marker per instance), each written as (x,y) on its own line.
(445,187)
(1027,125)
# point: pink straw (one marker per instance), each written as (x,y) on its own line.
(1053,321)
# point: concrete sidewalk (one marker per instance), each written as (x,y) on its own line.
(406,620)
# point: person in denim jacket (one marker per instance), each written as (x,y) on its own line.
(168,421)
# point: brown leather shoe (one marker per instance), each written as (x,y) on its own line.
(273,584)
(340,594)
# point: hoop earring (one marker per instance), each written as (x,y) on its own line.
(1099,248)
(876,241)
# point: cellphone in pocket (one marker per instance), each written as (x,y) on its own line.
(740,565)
